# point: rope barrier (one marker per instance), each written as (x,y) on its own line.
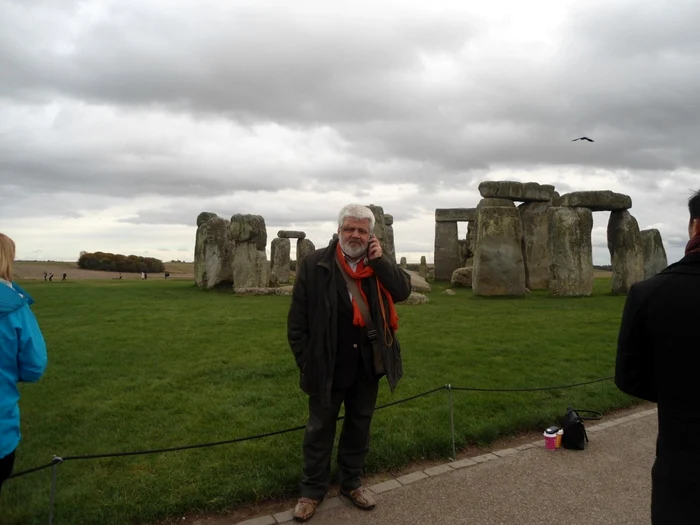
(469,389)
(59,460)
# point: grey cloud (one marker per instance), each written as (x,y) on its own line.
(249,63)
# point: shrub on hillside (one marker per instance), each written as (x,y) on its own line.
(110,262)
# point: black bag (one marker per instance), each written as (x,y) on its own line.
(575,436)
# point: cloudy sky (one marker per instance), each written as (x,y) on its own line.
(121,120)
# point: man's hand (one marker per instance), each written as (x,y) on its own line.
(374,249)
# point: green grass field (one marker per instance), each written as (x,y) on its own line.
(140,365)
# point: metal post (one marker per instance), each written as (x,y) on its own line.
(56,462)
(452,425)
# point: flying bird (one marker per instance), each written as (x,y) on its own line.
(583,138)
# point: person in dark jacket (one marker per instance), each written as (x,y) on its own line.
(22,354)
(658,359)
(340,360)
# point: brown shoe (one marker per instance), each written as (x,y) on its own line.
(361,497)
(305,509)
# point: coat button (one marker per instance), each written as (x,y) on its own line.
(355,345)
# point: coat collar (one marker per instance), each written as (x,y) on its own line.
(690,264)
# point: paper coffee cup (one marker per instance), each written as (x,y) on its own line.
(550,440)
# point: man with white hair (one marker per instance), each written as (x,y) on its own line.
(341,328)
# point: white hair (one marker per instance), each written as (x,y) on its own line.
(356,211)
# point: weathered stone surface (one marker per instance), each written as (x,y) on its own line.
(291,234)
(389,242)
(464,251)
(304,248)
(213,254)
(462,277)
(597,200)
(499,269)
(249,228)
(250,267)
(403,264)
(626,254)
(472,228)
(447,250)
(655,258)
(536,244)
(418,284)
(280,257)
(491,202)
(449,292)
(380,231)
(570,250)
(556,199)
(423,267)
(455,214)
(516,191)
(415,298)
(388,219)
(204,217)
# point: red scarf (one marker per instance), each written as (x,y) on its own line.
(693,245)
(363,272)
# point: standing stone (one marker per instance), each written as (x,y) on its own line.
(423,267)
(204,217)
(489,202)
(499,269)
(626,254)
(571,252)
(304,248)
(380,229)
(536,244)
(389,234)
(403,263)
(655,258)
(280,250)
(447,250)
(212,253)
(472,227)
(250,267)
(249,228)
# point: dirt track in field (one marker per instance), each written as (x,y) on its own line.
(35,271)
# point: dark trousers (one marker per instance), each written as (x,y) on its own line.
(6,465)
(359,399)
(675,487)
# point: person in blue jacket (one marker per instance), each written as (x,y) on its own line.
(22,354)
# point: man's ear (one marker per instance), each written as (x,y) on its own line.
(695,227)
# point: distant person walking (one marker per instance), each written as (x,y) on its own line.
(657,360)
(45,275)
(22,354)
(64,276)
(143,276)
(51,276)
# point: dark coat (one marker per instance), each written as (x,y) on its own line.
(312,323)
(658,359)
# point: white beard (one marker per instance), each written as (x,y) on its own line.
(352,250)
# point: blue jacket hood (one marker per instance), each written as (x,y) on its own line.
(12,299)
